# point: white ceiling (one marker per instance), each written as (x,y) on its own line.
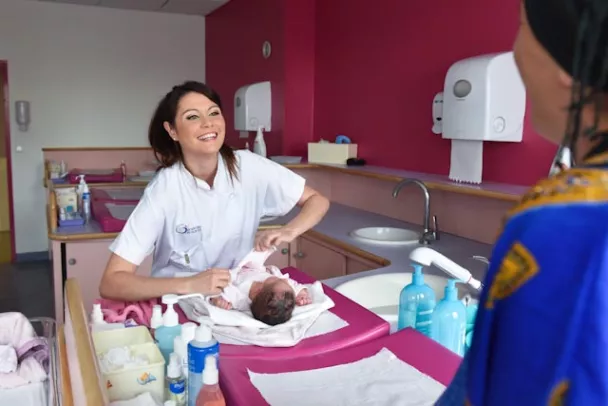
(196,7)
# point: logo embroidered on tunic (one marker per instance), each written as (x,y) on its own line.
(516,269)
(558,394)
(185,229)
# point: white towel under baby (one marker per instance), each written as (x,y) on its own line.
(235,327)
(379,380)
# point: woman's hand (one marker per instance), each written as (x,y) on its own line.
(209,282)
(267,238)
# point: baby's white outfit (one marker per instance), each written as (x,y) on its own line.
(252,269)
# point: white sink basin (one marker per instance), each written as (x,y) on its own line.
(380,293)
(385,235)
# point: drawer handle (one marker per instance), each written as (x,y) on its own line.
(72,261)
(285,251)
(299,255)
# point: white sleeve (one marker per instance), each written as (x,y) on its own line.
(139,236)
(236,298)
(284,188)
(296,286)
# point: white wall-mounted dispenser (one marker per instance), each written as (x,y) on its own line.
(252,107)
(22,114)
(484,99)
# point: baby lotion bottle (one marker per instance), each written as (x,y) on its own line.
(211,394)
(157,318)
(450,320)
(165,334)
(416,304)
(198,349)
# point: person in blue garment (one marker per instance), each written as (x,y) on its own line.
(541,334)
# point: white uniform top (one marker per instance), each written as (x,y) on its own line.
(192,227)
(237,293)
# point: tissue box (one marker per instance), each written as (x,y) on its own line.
(330,153)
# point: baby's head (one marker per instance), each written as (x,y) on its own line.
(274,303)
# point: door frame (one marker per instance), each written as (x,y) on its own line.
(7,143)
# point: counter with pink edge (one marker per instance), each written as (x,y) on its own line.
(363,326)
(408,345)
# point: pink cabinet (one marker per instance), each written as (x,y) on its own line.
(84,261)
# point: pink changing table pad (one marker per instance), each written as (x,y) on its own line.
(363,326)
(113,175)
(117,194)
(111,216)
(408,345)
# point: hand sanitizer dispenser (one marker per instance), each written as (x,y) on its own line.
(252,107)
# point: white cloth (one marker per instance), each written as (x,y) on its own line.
(380,380)
(241,326)
(8,359)
(192,227)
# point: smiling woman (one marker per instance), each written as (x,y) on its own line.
(202,211)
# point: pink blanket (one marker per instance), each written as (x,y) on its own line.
(141,312)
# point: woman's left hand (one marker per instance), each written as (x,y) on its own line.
(267,238)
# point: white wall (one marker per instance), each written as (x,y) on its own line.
(93,77)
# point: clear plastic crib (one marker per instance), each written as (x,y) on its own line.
(47,393)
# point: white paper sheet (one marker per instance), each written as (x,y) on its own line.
(466,161)
(380,380)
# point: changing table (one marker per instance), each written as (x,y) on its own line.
(363,326)
(408,345)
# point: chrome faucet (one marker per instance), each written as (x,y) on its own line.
(428,234)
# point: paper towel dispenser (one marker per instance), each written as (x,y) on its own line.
(484,99)
(252,107)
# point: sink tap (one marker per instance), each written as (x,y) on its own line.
(428,234)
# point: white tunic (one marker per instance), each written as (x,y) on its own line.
(192,227)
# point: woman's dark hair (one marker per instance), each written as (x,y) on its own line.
(169,152)
(273,308)
(575,33)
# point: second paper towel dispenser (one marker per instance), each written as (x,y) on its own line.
(484,99)
(252,107)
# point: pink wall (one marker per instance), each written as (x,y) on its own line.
(346,66)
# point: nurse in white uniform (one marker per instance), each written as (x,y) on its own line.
(201,212)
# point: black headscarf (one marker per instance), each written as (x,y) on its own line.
(575,34)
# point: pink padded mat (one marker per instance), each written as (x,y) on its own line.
(113,175)
(117,194)
(112,217)
(410,346)
(363,326)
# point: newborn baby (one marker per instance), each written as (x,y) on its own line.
(270,295)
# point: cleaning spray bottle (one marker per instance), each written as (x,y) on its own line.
(165,334)
(416,304)
(211,394)
(259,146)
(450,320)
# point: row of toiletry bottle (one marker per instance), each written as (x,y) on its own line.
(444,322)
(191,354)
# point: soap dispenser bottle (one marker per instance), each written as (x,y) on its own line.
(450,320)
(259,146)
(165,334)
(85,198)
(416,304)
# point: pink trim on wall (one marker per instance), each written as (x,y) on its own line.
(9,166)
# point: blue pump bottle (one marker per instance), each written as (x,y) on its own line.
(416,304)
(450,320)
(165,334)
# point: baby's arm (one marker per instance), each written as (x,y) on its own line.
(302,296)
(229,295)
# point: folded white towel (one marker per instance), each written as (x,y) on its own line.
(241,326)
